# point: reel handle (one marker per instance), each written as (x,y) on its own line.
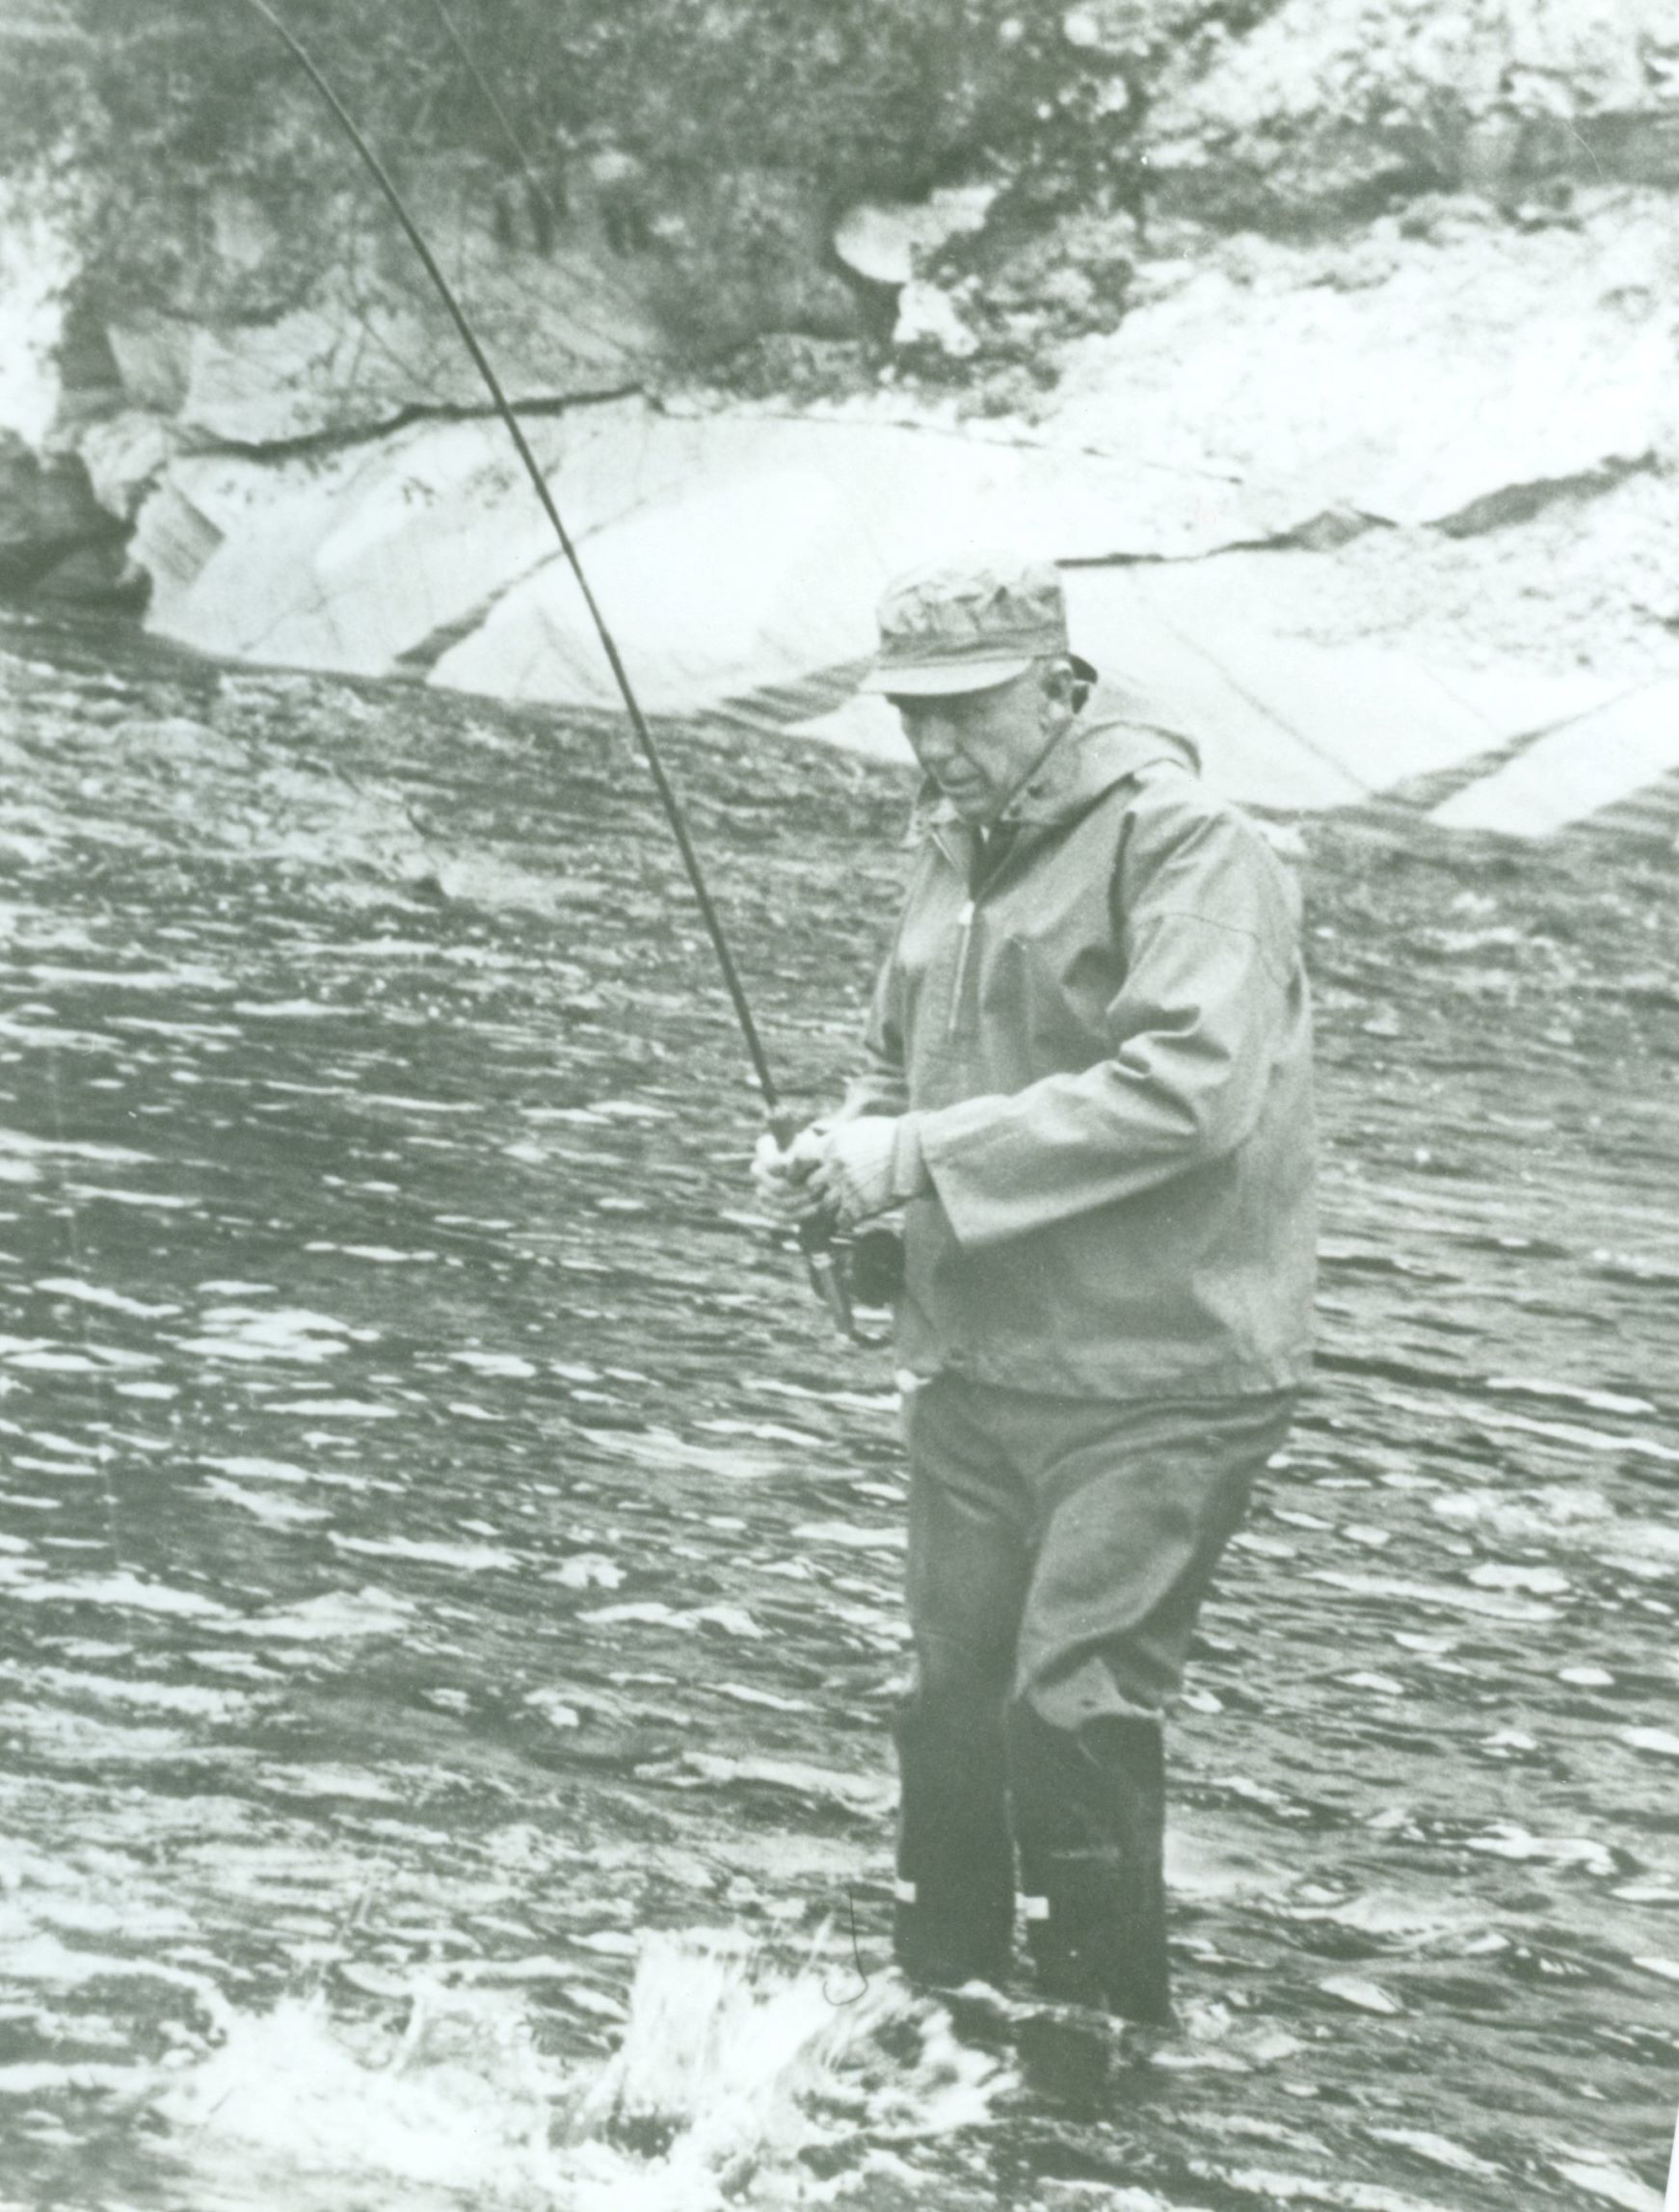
(816,1242)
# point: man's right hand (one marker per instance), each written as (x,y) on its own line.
(783,1178)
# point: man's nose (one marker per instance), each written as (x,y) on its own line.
(934,735)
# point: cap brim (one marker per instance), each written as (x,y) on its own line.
(937,679)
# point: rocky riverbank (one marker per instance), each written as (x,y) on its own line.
(1379,501)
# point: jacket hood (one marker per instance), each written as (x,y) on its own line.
(1117,737)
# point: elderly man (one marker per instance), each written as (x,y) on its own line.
(1087,1083)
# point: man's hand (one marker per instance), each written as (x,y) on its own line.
(842,1172)
(785,1186)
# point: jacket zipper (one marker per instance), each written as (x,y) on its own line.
(964,933)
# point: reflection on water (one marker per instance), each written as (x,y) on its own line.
(448,1573)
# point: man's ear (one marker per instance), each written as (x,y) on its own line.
(1061,688)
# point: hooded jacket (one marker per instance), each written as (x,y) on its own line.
(1099,1016)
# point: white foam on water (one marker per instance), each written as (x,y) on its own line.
(468,1558)
(743,1694)
(744,2069)
(92,1295)
(265,1504)
(1437,2150)
(192,1700)
(45,1962)
(727,2071)
(1499,1575)
(127,1594)
(1576,1514)
(851,1537)
(1275,2188)
(367,1611)
(653,1612)
(508,1364)
(1572,1433)
(263,1470)
(1600,1401)
(1569,1510)
(290,1333)
(243,1465)
(351,1783)
(1599,2176)
(340,1408)
(868,1793)
(1363,1995)
(16,1144)
(586,1570)
(79,1739)
(461,2102)
(1507,1839)
(1494,1605)
(45,2078)
(553,1708)
(1661,1741)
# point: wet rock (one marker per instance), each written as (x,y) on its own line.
(95,576)
(48,514)
(124,455)
(745,253)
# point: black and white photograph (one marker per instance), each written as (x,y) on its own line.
(838,1106)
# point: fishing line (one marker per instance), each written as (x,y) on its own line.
(533,183)
(840,2003)
(543,211)
(813,1239)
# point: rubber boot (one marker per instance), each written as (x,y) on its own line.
(1089,1816)
(953,1907)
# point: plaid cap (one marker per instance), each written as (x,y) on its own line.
(967,625)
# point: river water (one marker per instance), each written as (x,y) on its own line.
(448,1569)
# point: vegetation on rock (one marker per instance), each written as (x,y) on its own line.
(717,138)
(702,152)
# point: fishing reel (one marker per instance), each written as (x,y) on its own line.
(863,1268)
(873,1262)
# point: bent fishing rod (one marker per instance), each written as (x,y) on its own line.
(814,1239)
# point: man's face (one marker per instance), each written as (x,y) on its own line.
(980,746)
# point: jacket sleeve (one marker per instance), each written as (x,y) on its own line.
(880,1086)
(1209,935)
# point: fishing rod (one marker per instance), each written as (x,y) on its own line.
(816,1239)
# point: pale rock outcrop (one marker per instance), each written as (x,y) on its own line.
(1301,497)
(372,342)
(1410,380)
(885,241)
(1330,105)
(354,558)
(1578,770)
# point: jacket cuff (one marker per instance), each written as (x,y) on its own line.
(909,1167)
